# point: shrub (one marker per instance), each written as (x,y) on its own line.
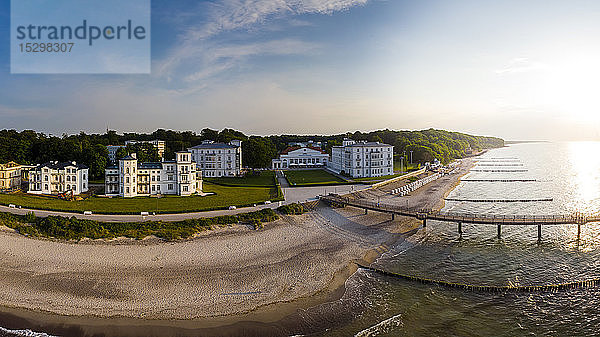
(291,209)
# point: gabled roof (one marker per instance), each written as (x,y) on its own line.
(10,164)
(294,148)
(60,166)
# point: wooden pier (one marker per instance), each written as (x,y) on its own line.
(500,180)
(498,200)
(491,170)
(462,218)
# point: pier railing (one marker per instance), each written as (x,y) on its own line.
(491,219)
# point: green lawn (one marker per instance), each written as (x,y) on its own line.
(261,179)
(224,197)
(407,168)
(312,177)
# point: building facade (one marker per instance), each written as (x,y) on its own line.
(218,159)
(362,159)
(54,178)
(131,179)
(10,176)
(300,157)
(160,146)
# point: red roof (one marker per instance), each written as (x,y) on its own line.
(294,148)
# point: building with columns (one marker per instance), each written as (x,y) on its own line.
(362,159)
(131,178)
(300,157)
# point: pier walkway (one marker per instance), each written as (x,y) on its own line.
(460,218)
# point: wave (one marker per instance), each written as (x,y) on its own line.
(23,333)
(382,327)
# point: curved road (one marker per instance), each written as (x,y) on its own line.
(291,194)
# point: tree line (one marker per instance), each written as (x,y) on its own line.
(30,147)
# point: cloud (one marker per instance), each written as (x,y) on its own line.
(521,65)
(197,43)
(235,14)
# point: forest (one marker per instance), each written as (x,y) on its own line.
(31,147)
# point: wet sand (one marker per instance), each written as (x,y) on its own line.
(223,282)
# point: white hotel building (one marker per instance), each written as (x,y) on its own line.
(131,179)
(54,178)
(160,146)
(218,159)
(300,157)
(362,159)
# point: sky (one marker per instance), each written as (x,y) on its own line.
(520,70)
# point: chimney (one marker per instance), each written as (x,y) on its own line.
(134,155)
(74,163)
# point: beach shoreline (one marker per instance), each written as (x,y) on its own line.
(353,236)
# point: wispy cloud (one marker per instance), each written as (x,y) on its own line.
(198,43)
(521,65)
(235,14)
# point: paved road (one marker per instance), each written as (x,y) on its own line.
(292,195)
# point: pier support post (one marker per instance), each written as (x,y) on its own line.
(578,231)
(393,216)
(499,231)
(460,228)
(366,211)
(424,222)
(539,233)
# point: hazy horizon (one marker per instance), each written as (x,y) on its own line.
(514,70)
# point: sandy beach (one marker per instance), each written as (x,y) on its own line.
(217,278)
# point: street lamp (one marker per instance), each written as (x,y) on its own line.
(411,157)
(401,164)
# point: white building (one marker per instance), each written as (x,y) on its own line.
(112,151)
(300,157)
(160,146)
(362,159)
(131,179)
(218,159)
(54,178)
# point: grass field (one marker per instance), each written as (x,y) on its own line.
(409,167)
(224,197)
(312,177)
(262,179)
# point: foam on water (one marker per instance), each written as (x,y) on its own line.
(24,333)
(382,327)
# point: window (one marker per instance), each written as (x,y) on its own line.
(185,188)
(170,186)
(127,190)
